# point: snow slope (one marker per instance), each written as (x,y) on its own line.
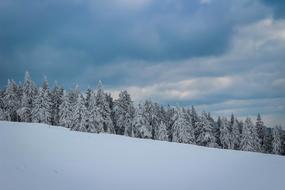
(37,156)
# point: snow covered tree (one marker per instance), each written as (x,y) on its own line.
(88,96)
(261,131)
(11,101)
(103,110)
(29,93)
(2,107)
(41,112)
(194,119)
(249,137)
(169,119)
(65,112)
(235,135)
(276,143)
(162,132)
(94,119)
(225,134)
(78,121)
(205,132)
(123,114)
(57,98)
(183,131)
(141,126)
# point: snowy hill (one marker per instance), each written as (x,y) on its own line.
(38,156)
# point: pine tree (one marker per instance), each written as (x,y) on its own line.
(78,122)
(249,138)
(11,101)
(124,114)
(29,93)
(225,134)
(183,131)
(94,116)
(57,98)
(235,135)
(87,97)
(141,126)
(65,112)
(103,112)
(277,143)
(194,120)
(169,119)
(162,132)
(205,132)
(42,105)
(2,106)
(261,131)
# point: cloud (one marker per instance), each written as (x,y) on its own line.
(277,6)
(173,51)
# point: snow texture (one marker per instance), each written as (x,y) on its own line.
(42,157)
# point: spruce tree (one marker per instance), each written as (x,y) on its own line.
(141,126)
(235,135)
(29,94)
(65,112)
(78,121)
(124,114)
(205,133)
(225,134)
(183,131)
(249,137)
(57,98)
(42,105)
(11,101)
(277,142)
(162,132)
(103,111)
(261,131)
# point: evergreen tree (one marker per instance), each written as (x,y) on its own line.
(261,131)
(277,143)
(65,112)
(204,131)
(194,120)
(183,131)
(141,126)
(103,110)
(249,138)
(87,97)
(267,141)
(41,112)
(124,114)
(78,122)
(11,101)
(225,134)
(57,98)
(2,107)
(235,135)
(169,119)
(94,116)
(29,93)
(162,132)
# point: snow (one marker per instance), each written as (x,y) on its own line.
(42,157)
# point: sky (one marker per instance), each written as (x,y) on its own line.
(223,56)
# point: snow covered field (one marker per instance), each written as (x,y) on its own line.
(38,156)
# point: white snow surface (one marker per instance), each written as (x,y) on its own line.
(42,157)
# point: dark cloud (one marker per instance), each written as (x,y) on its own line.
(278,7)
(149,47)
(73,35)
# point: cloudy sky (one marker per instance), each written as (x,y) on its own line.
(223,56)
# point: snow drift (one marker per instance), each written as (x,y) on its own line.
(38,156)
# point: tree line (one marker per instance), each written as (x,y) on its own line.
(95,111)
